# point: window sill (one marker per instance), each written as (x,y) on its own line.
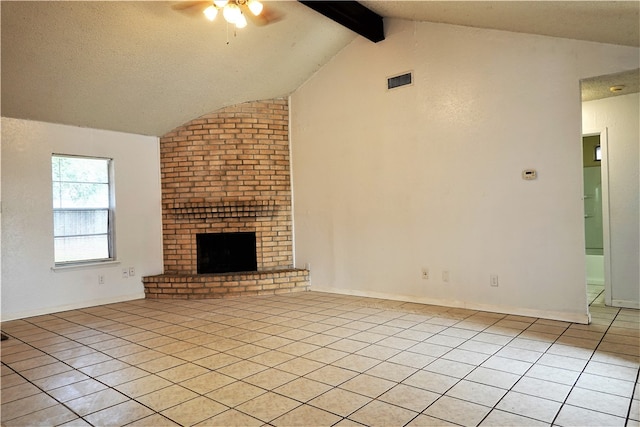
(80,266)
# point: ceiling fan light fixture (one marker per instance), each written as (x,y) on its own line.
(255,7)
(241,22)
(231,13)
(211,12)
(220,3)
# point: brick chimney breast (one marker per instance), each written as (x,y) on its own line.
(228,172)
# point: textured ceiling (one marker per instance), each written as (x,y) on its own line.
(600,87)
(615,22)
(145,67)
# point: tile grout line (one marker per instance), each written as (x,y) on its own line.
(573,386)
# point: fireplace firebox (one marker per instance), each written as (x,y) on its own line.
(226,252)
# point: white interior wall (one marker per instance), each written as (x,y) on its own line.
(29,286)
(620,117)
(388,182)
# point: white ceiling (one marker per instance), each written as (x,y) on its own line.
(145,67)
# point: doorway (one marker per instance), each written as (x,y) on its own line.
(596,208)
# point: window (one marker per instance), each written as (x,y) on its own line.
(598,154)
(82,209)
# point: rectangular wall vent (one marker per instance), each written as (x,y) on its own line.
(400,80)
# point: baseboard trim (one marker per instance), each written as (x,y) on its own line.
(625,303)
(57,309)
(582,318)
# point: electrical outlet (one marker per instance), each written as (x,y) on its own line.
(425,273)
(100,279)
(125,273)
(132,271)
(445,276)
(494,280)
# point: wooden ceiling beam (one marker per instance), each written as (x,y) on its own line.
(351,15)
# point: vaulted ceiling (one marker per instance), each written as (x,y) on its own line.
(146,67)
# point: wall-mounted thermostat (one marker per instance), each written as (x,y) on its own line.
(529,174)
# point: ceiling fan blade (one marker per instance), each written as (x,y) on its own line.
(267,17)
(191,6)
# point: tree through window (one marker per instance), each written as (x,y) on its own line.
(82,209)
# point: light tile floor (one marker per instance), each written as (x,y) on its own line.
(314,359)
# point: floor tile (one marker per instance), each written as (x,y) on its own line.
(231,418)
(52,415)
(340,402)
(271,358)
(235,393)
(412,398)
(12,379)
(611,370)
(449,367)
(548,373)
(270,378)
(562,362)
(431,381)
(217,361)
(142,386)
(501,418)
(492,377)
(120,414)
(194,411)
(356,362)
(300,366)
(96,401)
(605,384)
(466,356)
(598,401)
(327,355)
(268,406)
(122,376)
(529,406)
(302,389)
(477,393)
(242,369)
(182,372)
(206,383)
(331,375)
(541,388)
(367,385)
(9,394)
(156,420)
(457,411)
(391,371)
(167,397)
(76,390)
(574,416)
(519,354)
(513,366)
(305,416)
(45,371)
(378,413)
(26,405)
(428,421)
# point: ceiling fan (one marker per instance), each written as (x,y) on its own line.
(234,12)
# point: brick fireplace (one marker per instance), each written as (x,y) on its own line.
(228,172)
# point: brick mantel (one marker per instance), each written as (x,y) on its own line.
(227,171)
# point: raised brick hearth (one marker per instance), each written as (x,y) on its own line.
(228,172)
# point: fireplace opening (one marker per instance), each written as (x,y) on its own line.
(226,252)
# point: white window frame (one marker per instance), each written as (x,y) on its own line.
(111,257)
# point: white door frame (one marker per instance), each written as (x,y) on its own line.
(606,225)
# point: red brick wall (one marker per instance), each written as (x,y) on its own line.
(226,172)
